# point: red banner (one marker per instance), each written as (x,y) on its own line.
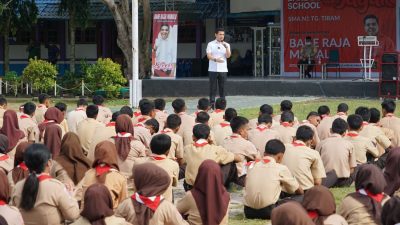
(335,25)
(165,44)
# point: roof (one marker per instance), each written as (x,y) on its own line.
(48,9)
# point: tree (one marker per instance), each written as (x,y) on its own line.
(78,12)
(16,15)
(121,12)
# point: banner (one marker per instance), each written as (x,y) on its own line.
(335,25)
(165,42)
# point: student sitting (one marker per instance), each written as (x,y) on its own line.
(98,208)
(186,128)
(237,143)
(172,126)
(324,127)
(160,145)
(391,212)
(201,150)
(321,207)
(208,201)
(263,133)
(265,180)
(365,205)
(304,163)
(286,106)
(286,130)
(40,198)
(338,156)
(223,129)
(147,206)
(342,110)
(264,109)
(290,213)
(363,146)
(161,114)
(217,116)
(312,121)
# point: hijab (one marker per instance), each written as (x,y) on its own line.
(319,203)
(392,171)
(391,211)
(52,139)
(124,130)
(150,181)
(52,116)
(20,170)
(4,188)
(11,129)
(290,213)
(209,193)
(105,159)
(370,183)
(98,204)
(3,144)
(72,159)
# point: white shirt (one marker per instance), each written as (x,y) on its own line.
(217,50)
(74,118)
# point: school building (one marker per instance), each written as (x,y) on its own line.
(251,27)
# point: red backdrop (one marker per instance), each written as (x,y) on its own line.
(335,24)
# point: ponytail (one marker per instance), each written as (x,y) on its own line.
(29,192)
(36,157)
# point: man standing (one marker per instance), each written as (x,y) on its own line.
(218,51)
(307,56)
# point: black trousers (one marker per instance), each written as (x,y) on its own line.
(263,213)
(217,78)
(308,66)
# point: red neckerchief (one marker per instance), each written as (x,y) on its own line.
(79,109)
(110,124)
(123,135)
(377,197)
(141,119)
(102,169)
(43,177)
(323,116)
(261,128)
(297,144)
(365,123)
(4,157)
(158,158)
(2,203)
(48,121)
(23,116)
(352,134)
(139,125)
(23,166)
(218,110)
(137,114)
(41,106)
(257,160)
(166,130)
(313,214)
(200,143)
(286,124)
(151,202)
(341,114)
(389,115)
(234,136)
(224,124)
(181,113)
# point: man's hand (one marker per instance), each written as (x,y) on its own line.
(219,60)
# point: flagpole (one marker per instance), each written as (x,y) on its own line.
(135,87)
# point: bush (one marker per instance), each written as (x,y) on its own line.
(41,74)
(13,81)
(104,75)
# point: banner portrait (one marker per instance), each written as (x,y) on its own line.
(165,44)
(334,25)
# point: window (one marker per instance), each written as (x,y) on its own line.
(85,36)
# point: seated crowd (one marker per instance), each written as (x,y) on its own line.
(93,166)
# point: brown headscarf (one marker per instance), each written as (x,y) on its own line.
(392,171)
(209,193)
(4,187)
(123,125)
(391,211)
(20,170)
(98,204)
(371,179)
(72,159)
(52,139)
(320,204)
(105,154)
(52,116)
(290,213)
(11,129)
(150,180)
(3,144)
